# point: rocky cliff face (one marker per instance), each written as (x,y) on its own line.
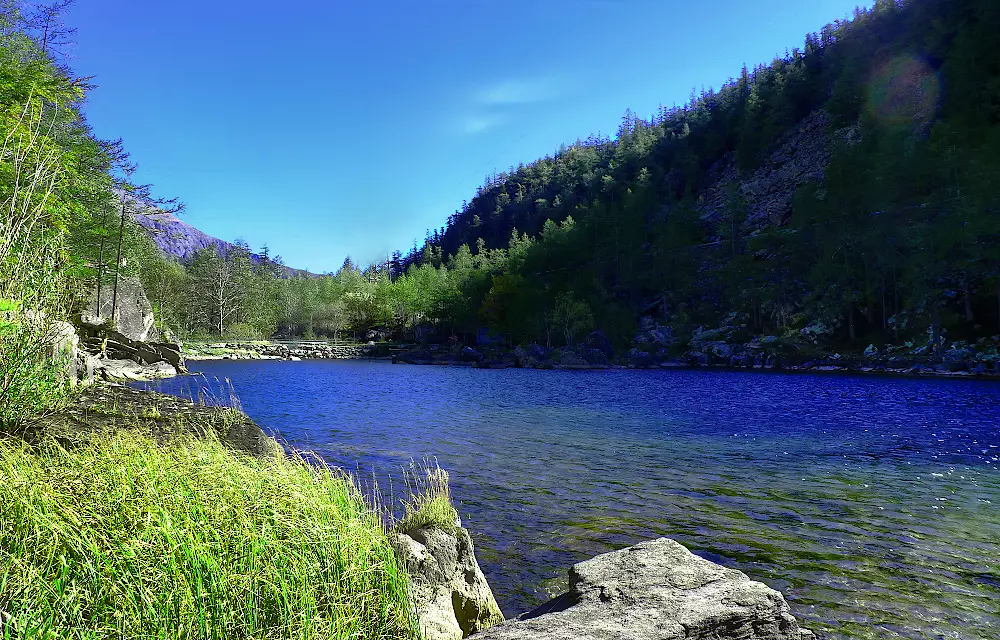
(799,158)
(175,237)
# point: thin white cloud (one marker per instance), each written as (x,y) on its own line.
(520,91)
(472,125)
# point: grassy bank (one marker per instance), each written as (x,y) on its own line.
(124,537)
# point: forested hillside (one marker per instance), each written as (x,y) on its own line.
(62,235)
(890,229)
(840,196)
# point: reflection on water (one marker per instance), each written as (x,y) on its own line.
(870,502)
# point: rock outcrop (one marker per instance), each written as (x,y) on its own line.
(133,315)
(112,351)
(799,158)
(657,590)
(62,346)
(450,592)
(111,407)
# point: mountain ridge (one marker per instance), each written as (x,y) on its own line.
(180,240)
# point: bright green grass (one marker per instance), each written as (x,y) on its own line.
(125,538)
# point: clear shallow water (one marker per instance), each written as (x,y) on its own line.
(872,503)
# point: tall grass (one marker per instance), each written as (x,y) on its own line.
(126,538)
(427,501)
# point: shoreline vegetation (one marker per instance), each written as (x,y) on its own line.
(131,514)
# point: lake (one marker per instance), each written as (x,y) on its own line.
(870,502)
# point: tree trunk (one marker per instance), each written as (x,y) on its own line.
(935,329)
(885,319)
(850,322)
(967,299)
(118,263)
(100,275)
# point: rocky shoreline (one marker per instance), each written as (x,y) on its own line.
(728,348)
(291,350)
(562,359)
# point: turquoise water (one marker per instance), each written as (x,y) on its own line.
(871,503)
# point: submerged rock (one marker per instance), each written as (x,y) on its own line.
(657,590)
(450,592)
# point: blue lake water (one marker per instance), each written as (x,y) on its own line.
(872,503)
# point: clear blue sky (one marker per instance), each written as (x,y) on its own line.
(328,128)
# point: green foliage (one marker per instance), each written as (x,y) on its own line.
(571,316)
(242,331)
(125,538)
(33,377)
(56,186)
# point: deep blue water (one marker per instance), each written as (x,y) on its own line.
(871,502)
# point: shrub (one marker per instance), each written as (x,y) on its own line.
(31,382)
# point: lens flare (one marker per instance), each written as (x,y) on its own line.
(904,91)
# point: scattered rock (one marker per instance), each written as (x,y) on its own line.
(799,158)
(302,350)
(656,590)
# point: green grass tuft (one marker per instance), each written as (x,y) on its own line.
(122,537)
(429,504)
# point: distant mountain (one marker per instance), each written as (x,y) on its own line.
(177,238)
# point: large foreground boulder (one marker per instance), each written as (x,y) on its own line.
(656,590)
(450,592)
(133,315)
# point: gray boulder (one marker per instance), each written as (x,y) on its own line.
(597,341)
(656,590)
(130,370)
(450,592)
(468,354)
(171,352)
(133,314)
